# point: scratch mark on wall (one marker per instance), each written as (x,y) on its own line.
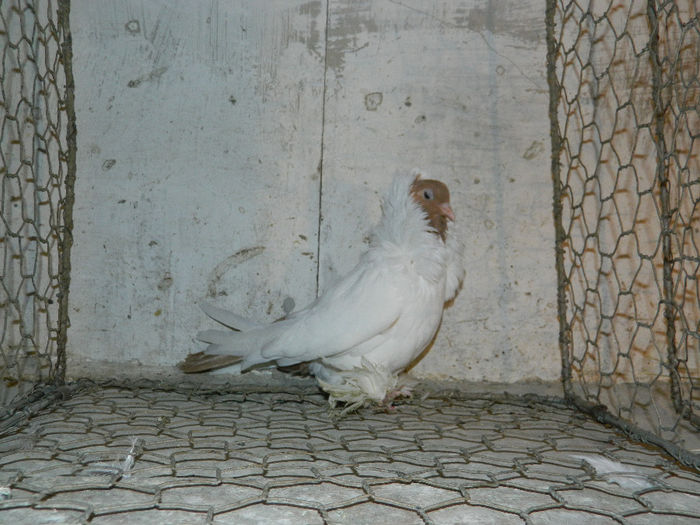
(150,77)
(534,150)
(229,263)
(423,12)
(511,62)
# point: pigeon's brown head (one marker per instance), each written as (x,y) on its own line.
(434,197)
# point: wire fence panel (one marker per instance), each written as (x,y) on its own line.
(678,63)
(37,163)
(625,95)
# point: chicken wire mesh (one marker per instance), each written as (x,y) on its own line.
(624,108)
(625,120)
(37,157)
(137,454)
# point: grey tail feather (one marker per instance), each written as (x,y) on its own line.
(201,362)
(248,344)
(226,318)
(215,337)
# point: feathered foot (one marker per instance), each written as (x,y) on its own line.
(394,394)
(361,386)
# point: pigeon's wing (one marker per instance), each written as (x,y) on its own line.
(226,318)
(454,270)
(364,304)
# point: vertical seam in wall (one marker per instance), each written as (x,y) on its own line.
(320,161)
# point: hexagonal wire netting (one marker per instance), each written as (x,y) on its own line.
(625,99)
(142,453)
(624,84)
(37,155)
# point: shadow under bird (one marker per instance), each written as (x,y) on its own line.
(371,324)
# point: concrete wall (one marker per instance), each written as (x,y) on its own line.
(235,152)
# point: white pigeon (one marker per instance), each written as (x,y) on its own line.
(371,324)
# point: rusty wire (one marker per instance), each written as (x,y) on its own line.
(36,163)
(625,99)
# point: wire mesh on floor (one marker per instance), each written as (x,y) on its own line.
(137,454)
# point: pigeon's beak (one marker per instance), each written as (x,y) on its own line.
(446,210)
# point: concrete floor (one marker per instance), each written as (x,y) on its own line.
(137,454)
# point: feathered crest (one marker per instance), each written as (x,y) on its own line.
(402,218)
(404,233)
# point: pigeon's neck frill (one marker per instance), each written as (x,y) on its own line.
(403,220)
(405,233)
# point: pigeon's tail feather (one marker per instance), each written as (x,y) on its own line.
(216,337)
(246,346)
(201,362)
(226,318)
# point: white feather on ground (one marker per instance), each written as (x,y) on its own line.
(615,472)
(122,469)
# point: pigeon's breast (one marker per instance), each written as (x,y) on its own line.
(421,295)
(420,318)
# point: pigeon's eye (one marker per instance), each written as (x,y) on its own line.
(428,194)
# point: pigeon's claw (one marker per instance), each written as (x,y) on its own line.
(394,394)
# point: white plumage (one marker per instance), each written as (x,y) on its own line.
(371,324)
